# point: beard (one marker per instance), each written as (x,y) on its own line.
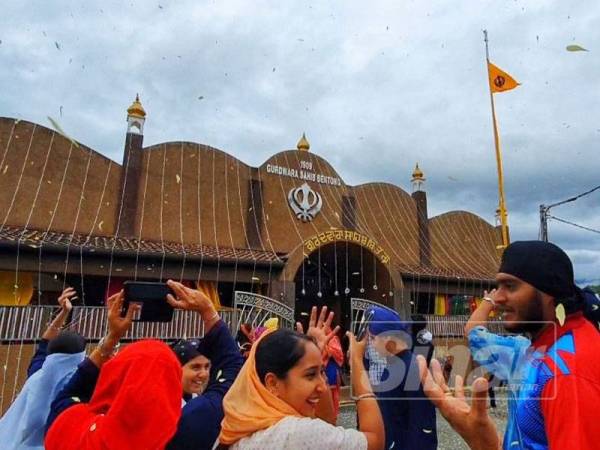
(529,317)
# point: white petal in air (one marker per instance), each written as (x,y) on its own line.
(560,314)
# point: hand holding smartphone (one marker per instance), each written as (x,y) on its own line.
(363,326)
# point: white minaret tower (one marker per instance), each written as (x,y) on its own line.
(418,180)
(136,117)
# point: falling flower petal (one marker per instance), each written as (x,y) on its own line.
(100,225)
(576,48)
(59,130)
(560,314)
(178,178)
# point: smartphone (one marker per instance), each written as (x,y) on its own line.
(153,299)
(363,326)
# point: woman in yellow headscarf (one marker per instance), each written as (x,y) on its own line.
(273,402)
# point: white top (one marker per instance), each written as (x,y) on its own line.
(303,433)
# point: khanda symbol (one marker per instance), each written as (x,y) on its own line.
(499,81)
(305,202)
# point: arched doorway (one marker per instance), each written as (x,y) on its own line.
(336,272)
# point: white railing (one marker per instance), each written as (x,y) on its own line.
(25,324)
(255,309)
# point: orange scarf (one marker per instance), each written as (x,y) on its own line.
(334,348)
(248,405)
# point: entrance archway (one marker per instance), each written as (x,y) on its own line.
(334,273)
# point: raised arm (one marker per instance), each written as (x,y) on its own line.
(193,300)
(481,315)
(54,327)
(201,417)
(320,330)
(369,415)
(117,328)
(65,302)
(472,421)
(80,387)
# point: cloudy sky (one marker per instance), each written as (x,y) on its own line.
(375,85)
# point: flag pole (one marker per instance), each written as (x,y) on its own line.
(502,202)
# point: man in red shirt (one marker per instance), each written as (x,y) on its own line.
(557,390)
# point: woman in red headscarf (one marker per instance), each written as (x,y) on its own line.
(136,401)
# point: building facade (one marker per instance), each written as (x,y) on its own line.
(290,229)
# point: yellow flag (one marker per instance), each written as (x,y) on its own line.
(500,81)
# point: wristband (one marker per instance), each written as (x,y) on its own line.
(490,299)
(211,318)
(363,396)
(110,354)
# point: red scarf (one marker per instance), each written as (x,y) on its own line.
(136,404)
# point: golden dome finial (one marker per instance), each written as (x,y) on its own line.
(136,109)
(303,143)
(418,173)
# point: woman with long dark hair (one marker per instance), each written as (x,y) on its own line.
(275,400)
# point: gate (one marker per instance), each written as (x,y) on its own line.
(255,309)
(358,306)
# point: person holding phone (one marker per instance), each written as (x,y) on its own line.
(201,416)
(129,400)
(56,358)
(195,367)
(274,402)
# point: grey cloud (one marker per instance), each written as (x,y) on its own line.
(376,89)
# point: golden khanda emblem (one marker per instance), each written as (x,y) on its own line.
(305,202)
(499,81)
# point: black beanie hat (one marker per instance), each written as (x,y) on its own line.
(186,350)
(67,342)
(541,264)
